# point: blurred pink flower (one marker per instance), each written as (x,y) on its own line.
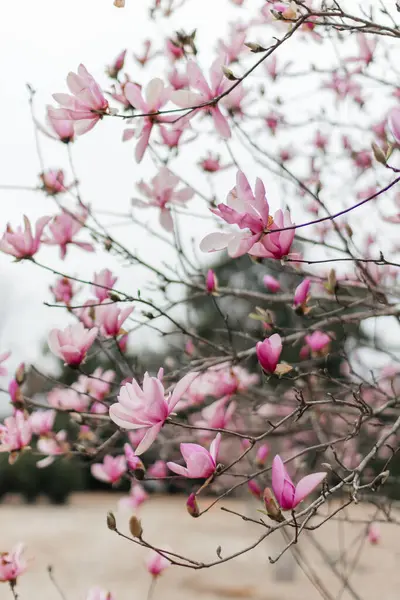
(217,415)
(271,283)
(110,470)
(374,534)
(72,343)
(268,352)
(286,493)
(97,593)
(116,66)
(63,290)
(22,243)
(137,496)
(211,282)
(53,181)
(15,433)
(86,106)
(60,129)
(147,408)
(54,445)
(211,163)
(3,357)
(68,399)
(158,469)
(42,421)
(394,123)
(110,318)
(12,564)
(262,455)
(102,280)
(63,228)
(301,293)
(200,463)
(156,563)
(254,488)
(173,51)
(317,341)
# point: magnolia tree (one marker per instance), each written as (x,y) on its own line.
(229,412)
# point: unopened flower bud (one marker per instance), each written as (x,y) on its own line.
(211,282)
(271,506)
(254,488)
(20,374)
(254,47)
(135,527)
(111,521)
(134,463)
(192,506)
(229,74)
(261,455)
(379,154)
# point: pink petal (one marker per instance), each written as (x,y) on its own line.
(186,98)
(180,388)
(221,123)
(306,486)
(214,447)
(133,94)
(148,439)
(216,241)
(197,79)
(154,90)
(143,142)
(178,469)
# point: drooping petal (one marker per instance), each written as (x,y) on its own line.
(178,469)
(216,241)
(180,388)
(306,486)
(214,447)
(148,439)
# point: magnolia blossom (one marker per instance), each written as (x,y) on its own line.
(200,463)
(156,95)
(268,352)
(137,496)
(3,357)
(110,470)
(15,433)
(147,408)
(86,106)
(63,290)
(52,445)
(177,79)
(156,563)
(97,385)
(63,229)
(53,181)
(162,194)
(317,341)
(271,283)
(233,47)
(262,454)
(286,493)
(68,399)
(42,421)
(97,593)
(206,93)
(158,470)
(72,343)
(211,163)
(133,462)
(22,243)
(276,244)
(254,488)
(217,415)
(366,48)
(110,318)
(394,123)
(173,50)
(211,282)
(171,137)
(116,65)
(12,564)
(301,293)
(374,534)
(59,129)
(101,281)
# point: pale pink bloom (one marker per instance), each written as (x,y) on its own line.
(118,94)
(271,66)
(173,51)
(53,181)
(86,312)
(97,385)
(273,120)
(268,352)
(301,293)
(116,66)
(217,415)
(98,593)
(133,462)
(170,137)
(276,245)
(72,343)
(211,282)
(42,421)
(123,342)
(232,48)
(211,164)
(3,357)
(62,130)
(363,159)
(63,290)
(394,123)
(233,101)
(262,454)
(15,433)
(374,534)
(12,564)
(101,281)
(110,470)
(343,86)
(22,243)
(366,48)
(317,341)
(158,469)
(156,563)
(250,212)
(286,493)
(271,283)
(137,496)
(178,80)
(68,399)
(86,106)
(206,93)
(320,140)
(63,228)
(156,96)
(161,193)
(147,408)
(200,463)
(110,318)
(16,395)
(55,445)
(145,57)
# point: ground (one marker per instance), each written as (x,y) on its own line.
(76,542)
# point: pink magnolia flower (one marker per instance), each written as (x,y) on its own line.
(101,281)
(284,10)
(200,463)
(286,493)
(137,496)
(317,341)
(156,96)
(86,106)
(211,282)
(271,283)
(42,421)
(374,534)
(366,48)
(156,563)
(54,445)
(110,318)
(218,414)
(232,48)
(394,123)
(97,385)
(110,470)
(233,101)
(161,193)
(171,137)
(98,593)
(59,129)
(147,408)
(16,395)
(178,80)
(206,93)
(116,65)
(276,244)
(301,293)
(173,50)
(22,243)
(254,488)
(68,399)
(12,564)
(3,357)
(63,229)
(15,433)
(211,163)
(72,343)
(144,58)
(250,212)
(133,462)
(53,181)
(63,290)
(320,140)
(268,352)
(262,454)
(158,469)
